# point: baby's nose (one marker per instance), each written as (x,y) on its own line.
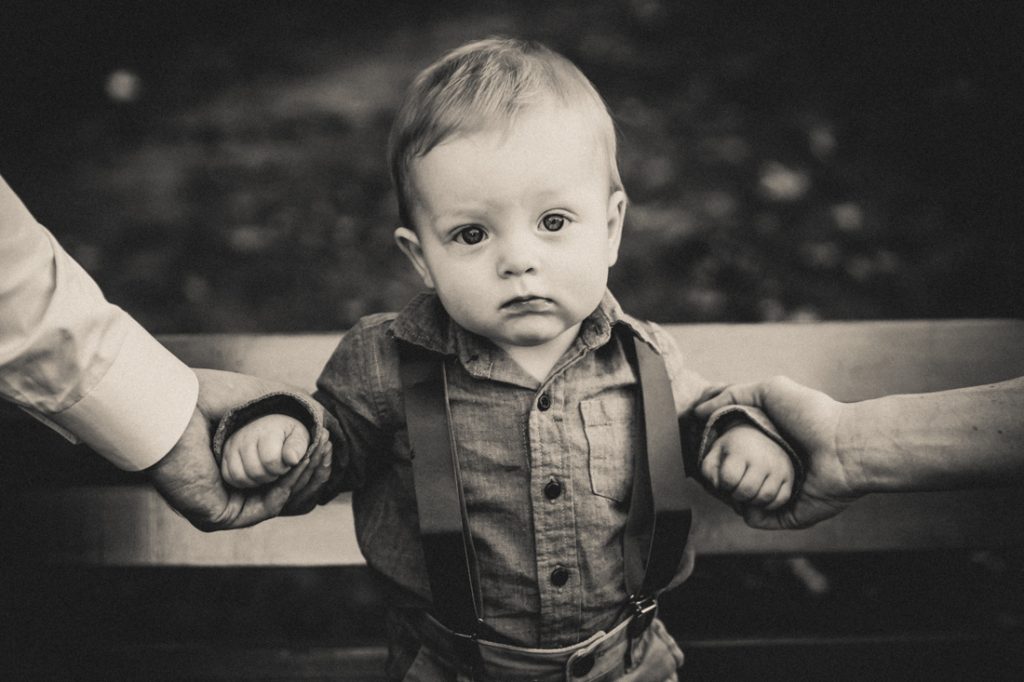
(517,258)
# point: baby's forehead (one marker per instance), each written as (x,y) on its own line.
(553,136)
(503,125)
(539,160)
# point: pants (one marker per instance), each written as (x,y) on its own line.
(654,657)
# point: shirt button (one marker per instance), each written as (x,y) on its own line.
(553,489)
(559,576)
(544,402)
(582,665)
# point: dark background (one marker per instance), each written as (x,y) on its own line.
(219,166)
(804,162)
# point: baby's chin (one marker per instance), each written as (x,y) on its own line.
(532,335)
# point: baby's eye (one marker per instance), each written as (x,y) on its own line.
(553,222)
(473,234)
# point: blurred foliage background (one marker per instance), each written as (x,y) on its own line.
(219,165)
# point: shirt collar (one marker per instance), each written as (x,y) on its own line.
(425,323)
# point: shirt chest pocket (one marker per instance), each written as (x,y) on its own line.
(611,431)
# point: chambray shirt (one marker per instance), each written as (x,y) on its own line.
(518,442)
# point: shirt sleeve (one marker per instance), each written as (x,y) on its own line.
(359,387)
(75,361)
(287,403)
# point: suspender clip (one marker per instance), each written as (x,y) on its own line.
(641,615)
(642,610)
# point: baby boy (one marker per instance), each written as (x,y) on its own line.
(503,157)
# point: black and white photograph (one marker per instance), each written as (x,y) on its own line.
(492,341)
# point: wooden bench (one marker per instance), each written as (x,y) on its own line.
(117,521)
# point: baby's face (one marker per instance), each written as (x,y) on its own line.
(517,228)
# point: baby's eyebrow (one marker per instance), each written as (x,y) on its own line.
(466,209)
(458,217)
(557,194)
(551,194)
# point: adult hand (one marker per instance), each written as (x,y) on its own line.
(809,420)
(188,477)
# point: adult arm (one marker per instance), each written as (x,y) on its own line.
(961,438)
(77,362)
(87,369)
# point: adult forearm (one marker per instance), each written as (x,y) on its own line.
(935,441)
(75,361)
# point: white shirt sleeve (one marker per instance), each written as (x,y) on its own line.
(78,362)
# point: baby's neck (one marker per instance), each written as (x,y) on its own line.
(539,360)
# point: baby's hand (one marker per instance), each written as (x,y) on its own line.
(263,450)
(750,467)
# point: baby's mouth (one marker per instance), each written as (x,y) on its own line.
(527,303)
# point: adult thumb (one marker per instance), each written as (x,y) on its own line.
(736,394)
(756,517)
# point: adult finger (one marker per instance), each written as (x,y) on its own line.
(269,502)
(306,492)
(277,495)
(322,463)
(710,392)
(306,475)
(756,517)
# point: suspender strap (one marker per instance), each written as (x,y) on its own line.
(444,527)
(659,518)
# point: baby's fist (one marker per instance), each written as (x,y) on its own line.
(750,468)
(263,450)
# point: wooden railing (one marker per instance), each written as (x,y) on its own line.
(131,525)
(105,519)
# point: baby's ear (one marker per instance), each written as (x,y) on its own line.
(616,216)
(409,242)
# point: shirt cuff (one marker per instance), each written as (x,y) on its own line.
(136,413)
(286,403)
(724,418)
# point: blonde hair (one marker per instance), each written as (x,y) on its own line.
(478,86)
